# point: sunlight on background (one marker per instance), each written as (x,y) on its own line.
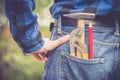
(13,64)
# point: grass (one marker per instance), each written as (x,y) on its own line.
(23,67)
(45,31)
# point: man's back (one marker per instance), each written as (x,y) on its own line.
(99,7)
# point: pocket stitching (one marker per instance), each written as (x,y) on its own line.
(85,61)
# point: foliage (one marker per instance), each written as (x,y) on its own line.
(23,67)
(17,66)
(42,4)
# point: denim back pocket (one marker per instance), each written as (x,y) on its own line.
(73,68)
(98,68)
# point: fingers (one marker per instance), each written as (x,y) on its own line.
(48,46)
(62,40)
(41,57)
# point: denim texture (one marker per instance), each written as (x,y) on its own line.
(104,66)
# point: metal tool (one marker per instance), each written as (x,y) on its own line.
(77,36)
(75,43)
(84,16)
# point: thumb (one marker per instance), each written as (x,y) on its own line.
(62,40)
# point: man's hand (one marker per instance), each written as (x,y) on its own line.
(48,46)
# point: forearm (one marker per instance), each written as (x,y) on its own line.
(23,24)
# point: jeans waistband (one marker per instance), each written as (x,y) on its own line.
(65,21)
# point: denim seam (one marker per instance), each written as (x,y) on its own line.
(67,76)
(61,68)
(105,43)
(102,72)
(85,61)
(116,54)
(45,70)
(104,28)
(53,34)
(62,71)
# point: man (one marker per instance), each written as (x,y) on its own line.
(59,64)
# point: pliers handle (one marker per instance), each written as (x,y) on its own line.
(76,43)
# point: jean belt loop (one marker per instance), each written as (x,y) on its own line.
(59,25)
(55,22)
(117,32)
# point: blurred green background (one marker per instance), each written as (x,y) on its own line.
(13,64)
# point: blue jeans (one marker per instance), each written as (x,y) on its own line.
(104,66)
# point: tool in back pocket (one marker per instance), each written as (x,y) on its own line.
(77,46)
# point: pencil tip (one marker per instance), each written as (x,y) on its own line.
(90,24)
